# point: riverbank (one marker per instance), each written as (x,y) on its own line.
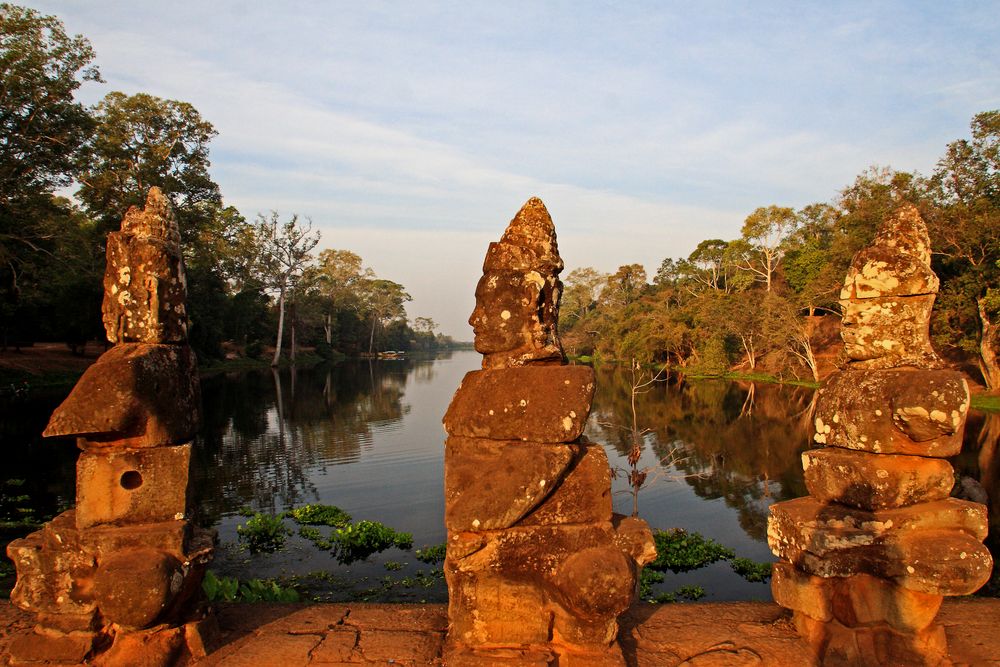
(45,366)
(732,633)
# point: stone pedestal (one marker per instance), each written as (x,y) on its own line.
(538,566)
(117,580)
(867,558)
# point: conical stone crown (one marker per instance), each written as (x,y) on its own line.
(517,299)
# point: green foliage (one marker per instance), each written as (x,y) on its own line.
(320,515)
(46,250)
(360,540)
(680,551)
(714,359)
(388,587)
(41,67)
(141,141)
(316,537)
(229,589)
(263,533)
(647,579)
(16,511)
(392,565)
(431,555)
(690,593)
(751,570)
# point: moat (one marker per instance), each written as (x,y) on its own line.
(367,437)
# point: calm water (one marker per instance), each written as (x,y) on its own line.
(367,437)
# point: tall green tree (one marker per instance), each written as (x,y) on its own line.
(42,129)
(385,302)
(808,263)
(283,252)
(711,262)
(624,286)
(763,234)
(42,126)
(141,141)
(581,288)
(339,281)
(966,236)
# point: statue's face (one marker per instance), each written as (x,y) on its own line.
(503,318)
(886,326)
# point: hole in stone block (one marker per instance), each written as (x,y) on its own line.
(131,480)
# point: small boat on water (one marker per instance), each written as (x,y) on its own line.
(391,354)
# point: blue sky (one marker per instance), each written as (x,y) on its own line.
(411,132)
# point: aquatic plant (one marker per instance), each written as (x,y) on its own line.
(690,593)
(263,533)
(647,579)
(316,537)
(751,570)
(680,551)
(431,555)
(229,589)
(360,540)
(16,512)
(320,515)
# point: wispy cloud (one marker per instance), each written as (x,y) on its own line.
(412,132)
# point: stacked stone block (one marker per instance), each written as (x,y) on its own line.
(117,580)
(867,557)
(538,567)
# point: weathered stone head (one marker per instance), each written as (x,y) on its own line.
(888,296)
(517,299)
(144,283)
(143,392)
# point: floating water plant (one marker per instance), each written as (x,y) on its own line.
(263,533)
(751,570)
(680,551)
(320,515)
(360,540)
(432,555)
(229,589)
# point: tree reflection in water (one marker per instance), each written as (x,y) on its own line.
(741,442)
(736,441)
(264,432)
(347,436)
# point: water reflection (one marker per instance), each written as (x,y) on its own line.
(739,442)
(367,436)
(264,432)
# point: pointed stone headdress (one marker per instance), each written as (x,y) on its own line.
(144,283)
(888,295)
(517,299)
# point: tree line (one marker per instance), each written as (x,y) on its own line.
(251,282)
(758,299)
